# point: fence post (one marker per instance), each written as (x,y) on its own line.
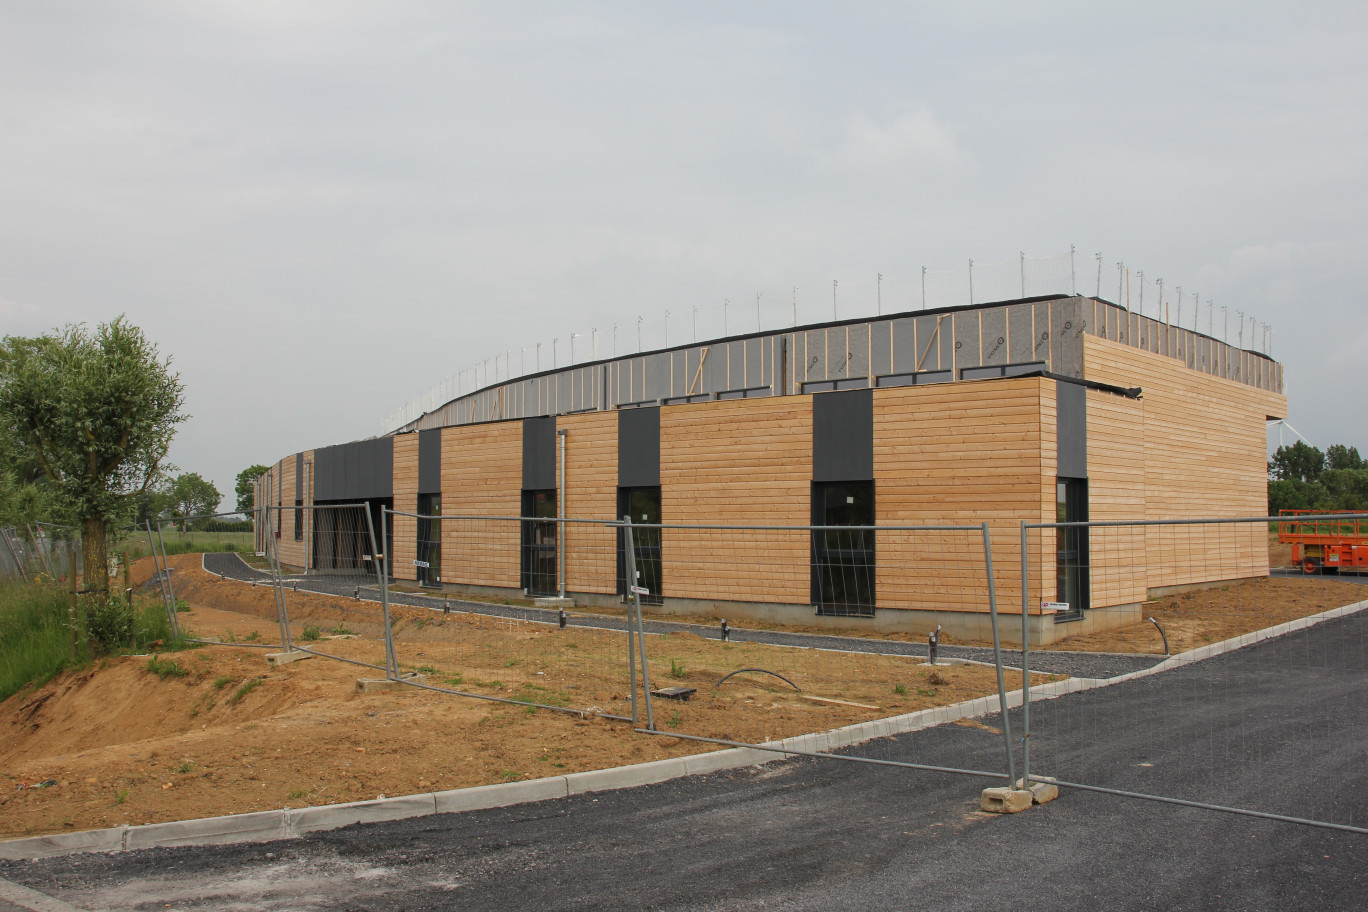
(378,551)
(277,584)
(997,657)
(1025,662)
(170,590)
(156,562)
(635,608)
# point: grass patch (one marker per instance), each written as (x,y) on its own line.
(43,634)
(339,630)
(243,691)
(310,633)
(222,681)
(166,668)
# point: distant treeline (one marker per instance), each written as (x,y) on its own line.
(1302,477)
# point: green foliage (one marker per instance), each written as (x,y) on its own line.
(1304,478)
(243,691)
(120,796)
(246,495)
(109,620)
(1338,456)
(222,681)
(676,669)
(41,635)
(310,633)
(1300,461)
(166,668)
(191,495)
(95,412)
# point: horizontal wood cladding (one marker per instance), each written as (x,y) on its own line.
(1116,491)
(1204,456)
(591,469)
(737,462)
(482,476)
(960,454)
(405,501)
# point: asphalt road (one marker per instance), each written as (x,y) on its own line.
(1279,728)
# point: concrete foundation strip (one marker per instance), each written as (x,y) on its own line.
(287,823)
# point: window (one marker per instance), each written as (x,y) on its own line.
(643,505)
(1071,547)
(843,559)
(539,543)
(429,551)
(299,519)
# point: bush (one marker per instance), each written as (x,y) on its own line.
(109,621)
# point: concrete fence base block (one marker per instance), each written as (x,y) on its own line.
(1042,789)
(376,685)
(1002,800)
(276,659)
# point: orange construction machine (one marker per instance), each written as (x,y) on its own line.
(1320,540)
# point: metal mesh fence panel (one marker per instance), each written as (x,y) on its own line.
(462,602)
(1255,662)
(754,687)
(324,563)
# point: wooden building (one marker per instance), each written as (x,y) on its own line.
(1031,410)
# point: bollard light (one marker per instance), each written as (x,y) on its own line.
(446,606)
(932,642)
(356,594)
(726,631)
(562,619)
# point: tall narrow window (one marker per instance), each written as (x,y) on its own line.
(1071,547)
(539,542)
(429,559)
(299,519)
(643,505)
(843,558)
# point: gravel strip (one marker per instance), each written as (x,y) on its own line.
(1074,664)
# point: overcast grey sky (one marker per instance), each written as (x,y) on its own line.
(322,209)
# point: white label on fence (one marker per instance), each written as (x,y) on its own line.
(641,590)
(1054,606)
(423,564)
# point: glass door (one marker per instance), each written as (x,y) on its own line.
(843,560)
(643,505)
(539,543)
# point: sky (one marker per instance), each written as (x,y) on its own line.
(319,210)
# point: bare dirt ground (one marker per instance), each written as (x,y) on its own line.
(1203,616)
(121,744)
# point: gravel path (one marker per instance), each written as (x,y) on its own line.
(1074,664)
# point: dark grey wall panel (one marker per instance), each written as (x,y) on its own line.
(539,454)
(843,436)
(355,471)
(1071,404)
(430,461)
(639,447)
(299,476)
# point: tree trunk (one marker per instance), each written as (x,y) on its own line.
(95,554)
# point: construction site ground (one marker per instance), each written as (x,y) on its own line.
(118,743)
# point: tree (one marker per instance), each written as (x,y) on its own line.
(96,412)
(190,495)
(1339,456)
(1300,461)
(246,493)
